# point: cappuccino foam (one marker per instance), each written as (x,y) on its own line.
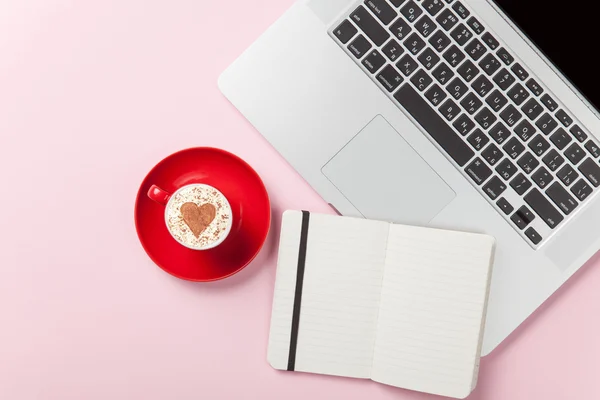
(212,231)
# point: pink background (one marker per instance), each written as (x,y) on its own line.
(92,95)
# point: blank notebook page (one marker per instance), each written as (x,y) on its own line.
(340,297)
(430,325)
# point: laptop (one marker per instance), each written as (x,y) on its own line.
(475,115)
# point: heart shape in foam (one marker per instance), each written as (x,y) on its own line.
(198,218)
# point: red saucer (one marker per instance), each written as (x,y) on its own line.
(248,199)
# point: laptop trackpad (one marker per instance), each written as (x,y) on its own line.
(385,179)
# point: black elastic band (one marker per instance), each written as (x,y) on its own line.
(298,294)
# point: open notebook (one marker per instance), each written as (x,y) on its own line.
(397,304)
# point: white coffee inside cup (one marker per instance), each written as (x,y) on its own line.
(198,216)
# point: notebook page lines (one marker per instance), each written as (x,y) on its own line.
(283,298)
(341,295)
(432,305)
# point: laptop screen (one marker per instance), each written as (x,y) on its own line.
(567,33)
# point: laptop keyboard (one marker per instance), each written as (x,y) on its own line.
(484,109)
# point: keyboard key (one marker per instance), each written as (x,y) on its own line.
(431,122)
(496,100)
(533,236)
(542,207)
(485,118)
(542,177)
(478,171)
(400,29)
(520,184)
(482,86)
(436,95)
(520,72)
(494,188)
(546,123)
(513,148)
(564,118)
(567,175)
(461,34)
(411,11)
(464,124)
(439,41)
(534,87)
(518,221)
(522,217)
(374,61)
(549,102)
(490,41)
(525,130)
(539,145)
(457,88)
(449,110)
(392,50)
(421,80)
(478,139)
(359,46)
(345,31)
(468,70)
(499,133)
(475,25)
(429,59)
(575,153)
(492,154)
(505,206)
(511,115)
(581,190)
(526,214)
(475,49)
(578,133)
(414,44)
(407,65)
(528,162)
(397,3)
(490,64)
(382,10)
(506,169)
(592,148)
(591,170)
(433,6)
(443,73)
(518,94)
(560,138)
(390,78)
(447,19)
(471,103)
(504,79)
(454,56)
(532,109)
(461,10)
(363,19)
(553,160)
(505,56)
(561,198)
(426,26)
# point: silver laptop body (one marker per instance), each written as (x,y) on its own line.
(405,142)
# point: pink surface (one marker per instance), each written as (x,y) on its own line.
(92,95)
